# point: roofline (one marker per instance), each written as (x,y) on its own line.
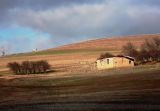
(127,57)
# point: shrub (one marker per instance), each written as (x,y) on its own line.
(152,48)
(149,51)
(15,67)
(130,50)
(105,55)
(29,67)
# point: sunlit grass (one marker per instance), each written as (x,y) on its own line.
(54,52)
(7,72)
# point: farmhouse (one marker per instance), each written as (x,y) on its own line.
(115,62)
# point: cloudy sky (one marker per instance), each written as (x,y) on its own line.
(29,24)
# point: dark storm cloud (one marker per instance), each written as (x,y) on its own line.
(146,2)
(41,4)
(90,17)
(87,20)
(7,5)
(71,20)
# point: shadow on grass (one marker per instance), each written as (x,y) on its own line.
(82,106)
(47,72)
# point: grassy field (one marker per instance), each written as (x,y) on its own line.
(128,89)
(77,87)
(54,52)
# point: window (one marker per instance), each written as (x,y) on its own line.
(107,61)
(130,62)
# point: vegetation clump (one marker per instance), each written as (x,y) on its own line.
(148,52)
(105,55)
(29,67)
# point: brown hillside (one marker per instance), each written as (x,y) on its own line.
(70,56)
(112,43)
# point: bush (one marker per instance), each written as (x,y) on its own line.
(15,67)
(149,51)
(105,55)
(29,67)
(130,50)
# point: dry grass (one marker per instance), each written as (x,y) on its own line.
(75,82)
(74,53)
(108,83)
(110,43)
(140,85)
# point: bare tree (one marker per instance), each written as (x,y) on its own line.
(130,50)
(15,67)
(3,51)
(29,67)
(152,47)
(26,67)
(46,66)
(143,56)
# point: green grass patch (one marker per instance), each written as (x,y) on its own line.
(54,52)
(3,73)
(43,82)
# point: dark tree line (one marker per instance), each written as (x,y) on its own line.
(149,51)
(29,67)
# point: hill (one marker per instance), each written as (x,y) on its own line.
(75,85)
(111,43)
(70,56)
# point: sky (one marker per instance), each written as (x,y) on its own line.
(40,24)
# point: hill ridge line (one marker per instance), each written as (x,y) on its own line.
(107,40)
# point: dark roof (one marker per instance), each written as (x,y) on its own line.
(127,57)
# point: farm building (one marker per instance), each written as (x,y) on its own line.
(115,62)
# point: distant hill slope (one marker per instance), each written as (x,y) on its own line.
(93,47)
(72,54)
(112,43)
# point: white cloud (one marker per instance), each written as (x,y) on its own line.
(76,21)
(89,20)
(42,42)
(72,21)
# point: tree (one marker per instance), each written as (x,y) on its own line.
(15,67)
(26,67)
(3,51)
(157,49)
(46,66)
(149,50)
(152,47)
(143,56)
(29,67)
(130,50)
